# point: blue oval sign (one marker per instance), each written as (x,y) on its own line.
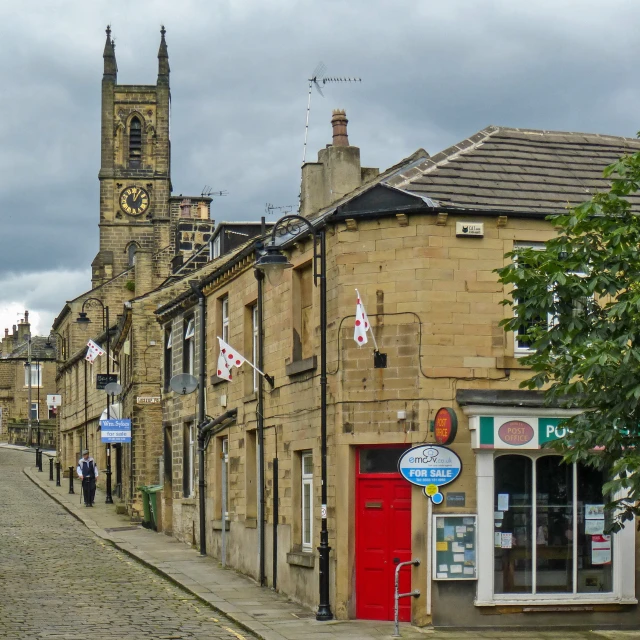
(430,466)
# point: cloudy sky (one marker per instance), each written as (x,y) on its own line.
(432,74)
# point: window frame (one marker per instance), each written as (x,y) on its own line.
(215,247)
(189,345)
(188,483)
(168,356)
(224,318)
(254,343)
(519,351)
(306,480)
(134,155)
(623,546)
(36,372)
(35,412)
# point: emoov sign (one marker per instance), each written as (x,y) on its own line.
(431,467)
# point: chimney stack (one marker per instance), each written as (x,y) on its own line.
(339,123)
(337,172)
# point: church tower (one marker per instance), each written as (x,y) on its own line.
(135,170)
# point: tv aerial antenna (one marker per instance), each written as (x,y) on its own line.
(208,192)
(284,209)
(318,78)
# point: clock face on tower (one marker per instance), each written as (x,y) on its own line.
(134,201)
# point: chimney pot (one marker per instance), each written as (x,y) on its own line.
(26,316)
(339,123)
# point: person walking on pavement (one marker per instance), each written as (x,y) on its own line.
(88,472)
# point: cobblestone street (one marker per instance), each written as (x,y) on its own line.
(59,581)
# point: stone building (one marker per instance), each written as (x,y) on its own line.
(147,235)
(420,242)
(16,349)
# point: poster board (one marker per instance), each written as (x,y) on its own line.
(454,554)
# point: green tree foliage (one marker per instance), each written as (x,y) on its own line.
(578,302)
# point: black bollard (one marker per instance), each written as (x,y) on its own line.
(37,456)
(71,480)
(40,462)
(58,465)
(51,469)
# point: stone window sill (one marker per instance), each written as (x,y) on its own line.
(250,398)
(301,366)
(216,525)
(215,380)
(187,502)
(301,559)
(251,523)
(508,362)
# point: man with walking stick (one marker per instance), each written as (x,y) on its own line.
(87,472)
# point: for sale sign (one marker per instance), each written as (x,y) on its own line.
(116,431)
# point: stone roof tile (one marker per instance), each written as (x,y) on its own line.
(500,168)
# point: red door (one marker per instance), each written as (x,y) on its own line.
(383,532)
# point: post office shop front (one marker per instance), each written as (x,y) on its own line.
(544,557)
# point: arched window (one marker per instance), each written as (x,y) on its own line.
(131,254)
(135,142)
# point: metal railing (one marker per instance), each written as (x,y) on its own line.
(396,595)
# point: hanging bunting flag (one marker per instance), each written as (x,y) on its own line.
(93,351)
(362,322)
(231,356)
(224,370)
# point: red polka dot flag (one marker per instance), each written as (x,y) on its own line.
(362,322)
(227,359)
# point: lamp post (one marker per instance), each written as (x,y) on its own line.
(273,263)
(84,320)
(28,366)
(38,382)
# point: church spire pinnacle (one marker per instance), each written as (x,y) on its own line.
(109,56)
(163,59)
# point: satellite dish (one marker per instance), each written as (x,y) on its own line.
(113,388)
(183,383)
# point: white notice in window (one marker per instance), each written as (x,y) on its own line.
(503,502)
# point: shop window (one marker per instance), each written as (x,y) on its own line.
(549,527)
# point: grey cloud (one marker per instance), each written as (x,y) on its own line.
(433,73)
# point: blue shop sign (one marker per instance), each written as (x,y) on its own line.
(430,466)
(116,431)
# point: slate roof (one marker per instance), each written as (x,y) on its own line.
(516,170)
(39,350)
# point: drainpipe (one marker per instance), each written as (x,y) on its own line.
(195,287)
(260,419)
(207,429)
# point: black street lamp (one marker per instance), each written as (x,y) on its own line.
(273,263)
(84,320)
